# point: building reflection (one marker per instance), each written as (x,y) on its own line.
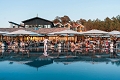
(33,57)
(39,63)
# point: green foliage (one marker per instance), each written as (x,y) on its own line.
(108,24)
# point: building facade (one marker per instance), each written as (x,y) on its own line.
(35,23)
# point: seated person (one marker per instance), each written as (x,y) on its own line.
(72,45)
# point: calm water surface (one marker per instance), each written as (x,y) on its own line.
(101,65)
(80,70)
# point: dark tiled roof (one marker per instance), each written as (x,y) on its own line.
(35,18)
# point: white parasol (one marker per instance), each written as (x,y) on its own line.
(95,32)
(114,32)
(22,32)
(66,32)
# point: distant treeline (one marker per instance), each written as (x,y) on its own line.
(108,24)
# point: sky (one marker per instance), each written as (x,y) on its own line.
(20,10)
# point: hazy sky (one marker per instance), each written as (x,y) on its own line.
(19,10)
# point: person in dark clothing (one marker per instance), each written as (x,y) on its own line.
(114,54)
(6,45)
(114,43)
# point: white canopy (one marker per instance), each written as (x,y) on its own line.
(66,32)
(114,32)
(95,32)
(22,32)
(3,32)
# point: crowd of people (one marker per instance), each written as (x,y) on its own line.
(22,46)
(60,46)
(87,43)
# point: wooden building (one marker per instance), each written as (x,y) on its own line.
(35,23)
(38,22)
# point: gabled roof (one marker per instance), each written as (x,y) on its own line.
(34,19)
(14,23)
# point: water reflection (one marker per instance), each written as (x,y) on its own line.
(65,56)
(61,61)
(39,63)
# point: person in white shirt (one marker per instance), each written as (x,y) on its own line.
(111,48)
(45,47)
(111,45)
(59,47)
(3,47)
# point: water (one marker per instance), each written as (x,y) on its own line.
(84,65)
(78,70)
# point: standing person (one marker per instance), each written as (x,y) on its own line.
(3,48)
(5,45)
(98,43)
(55,46)
(45,47)
(114,42)
(59,48)
(106,44)
(111,48)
